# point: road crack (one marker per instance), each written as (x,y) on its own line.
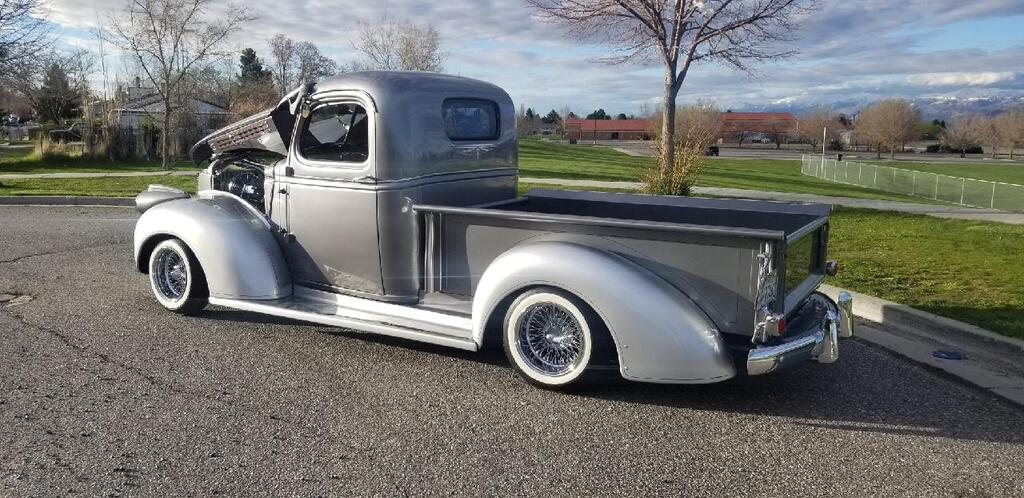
(51,253)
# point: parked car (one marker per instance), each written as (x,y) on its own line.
(72,133)
(393,209)
(711,150)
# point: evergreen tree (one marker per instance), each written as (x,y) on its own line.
(552,117)
(57,99)
(251,67)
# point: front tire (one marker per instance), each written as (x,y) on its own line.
(550,337)
(176,278)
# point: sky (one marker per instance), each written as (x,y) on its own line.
(849,50)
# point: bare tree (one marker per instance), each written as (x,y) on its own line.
(390,45)
(282,49)
(986,131)
(171,41)
(54,83)
(697,127)
(680,33)
(890,123)
(24,33)
(821,124)
(960,136)
(311,64)
(778,129)
(1011,129)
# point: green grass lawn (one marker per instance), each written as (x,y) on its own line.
(24,160)
(966,270)
(543,159)
(991,171)
(124,186)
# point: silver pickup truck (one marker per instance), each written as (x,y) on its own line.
(386,202)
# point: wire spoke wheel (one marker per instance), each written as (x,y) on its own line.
(550,339)
(178,281)
(171,277)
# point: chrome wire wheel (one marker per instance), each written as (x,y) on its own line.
(547,337)
(177,279)
(170,277)
(550,339)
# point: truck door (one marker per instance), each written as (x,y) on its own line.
(329,220)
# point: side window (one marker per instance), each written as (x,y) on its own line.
(336,132)
(470,119)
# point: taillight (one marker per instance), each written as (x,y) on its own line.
(782,325)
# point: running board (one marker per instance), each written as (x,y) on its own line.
(364,315)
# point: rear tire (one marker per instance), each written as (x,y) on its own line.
(177,279)
(553,339)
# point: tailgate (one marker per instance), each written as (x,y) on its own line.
(803,263)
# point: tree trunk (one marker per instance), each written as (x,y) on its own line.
(892,152)
(668,124)
(878,151)
(165,161)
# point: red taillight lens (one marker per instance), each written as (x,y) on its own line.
(782,325)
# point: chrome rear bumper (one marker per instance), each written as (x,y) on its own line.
(820,343)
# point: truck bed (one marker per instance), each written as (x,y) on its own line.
(708,248)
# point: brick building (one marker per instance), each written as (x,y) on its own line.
(607,129)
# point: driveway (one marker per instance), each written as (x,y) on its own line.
(104,393)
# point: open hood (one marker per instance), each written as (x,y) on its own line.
(270,130)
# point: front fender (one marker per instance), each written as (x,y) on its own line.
(659,333)
(233,243)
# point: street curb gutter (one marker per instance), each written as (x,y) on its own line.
(991,361)
(55,200)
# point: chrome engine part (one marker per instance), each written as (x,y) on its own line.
(241,177)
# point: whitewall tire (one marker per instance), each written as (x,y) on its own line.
(176,278)
(549,337)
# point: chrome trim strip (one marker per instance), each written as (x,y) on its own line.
(283,309)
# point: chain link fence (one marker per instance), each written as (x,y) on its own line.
(945,188)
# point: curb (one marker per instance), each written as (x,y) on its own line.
(990,361)
(56,200)
(907,319)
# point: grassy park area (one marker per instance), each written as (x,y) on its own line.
(993,171)
(542,159)
(122,186)
(24,159)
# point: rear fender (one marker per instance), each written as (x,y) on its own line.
(233,242)
(659,333)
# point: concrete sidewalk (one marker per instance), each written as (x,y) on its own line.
(14,176)
(936,210)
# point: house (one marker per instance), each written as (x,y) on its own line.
(607,129)
(145,103)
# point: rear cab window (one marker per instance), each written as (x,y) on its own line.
(471,119)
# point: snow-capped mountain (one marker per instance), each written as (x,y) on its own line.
(940,107)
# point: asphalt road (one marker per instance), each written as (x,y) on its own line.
(102,393)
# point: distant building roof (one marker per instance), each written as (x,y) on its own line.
(641,125)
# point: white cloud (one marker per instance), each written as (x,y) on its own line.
(848,50)
(961,79)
